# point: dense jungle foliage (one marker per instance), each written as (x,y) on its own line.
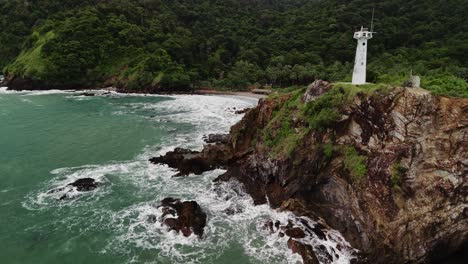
(174,44)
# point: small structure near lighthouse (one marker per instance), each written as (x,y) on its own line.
(360,63)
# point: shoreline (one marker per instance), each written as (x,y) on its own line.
(216,92)
(194,92)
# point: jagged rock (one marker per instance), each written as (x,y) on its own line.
(217,138)
(152,219)
(306,251)
(187,217)
(85,94)
(81,185)
(84,184)
(242,111)
(188,161)
(185,160)
(295,232)
(269,226)
(316,89)
(410,203)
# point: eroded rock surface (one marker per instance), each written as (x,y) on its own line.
(409,206)
(185,217)
(242,111)
(69,191)
(315,90)
(84,184)
(217,138)
(311,240)
(185,160)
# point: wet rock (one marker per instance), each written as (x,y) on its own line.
(277,224)
(189,217)
(295,232)
(229,211)
(81,185)
(323,253)
(55,190)
(269,226)
(152,219)
(233,210)
(185,160)
(217,138)
(168,211)
(172,223)
(84,184)
(85,94)
(317,229)
(242,111)
(306,251)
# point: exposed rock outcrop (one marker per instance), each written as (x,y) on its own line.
(217,138)
(242,111)
(69,191)
(409,205)
(185,160)
(185,217)
(84,184)
(316,89)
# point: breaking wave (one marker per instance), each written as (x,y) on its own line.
(234,222)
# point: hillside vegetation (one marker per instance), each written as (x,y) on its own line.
(161,44)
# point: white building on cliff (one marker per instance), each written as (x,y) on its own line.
(360,63)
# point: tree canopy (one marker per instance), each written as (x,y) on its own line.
(172,44)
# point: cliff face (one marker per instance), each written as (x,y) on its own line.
(389,173)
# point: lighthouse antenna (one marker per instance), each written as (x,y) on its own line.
(372,21)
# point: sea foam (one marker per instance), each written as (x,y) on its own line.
(233,219)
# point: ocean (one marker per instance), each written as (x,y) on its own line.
(49,139)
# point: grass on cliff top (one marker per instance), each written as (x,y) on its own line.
(30,62)
(281,134)
(295,119)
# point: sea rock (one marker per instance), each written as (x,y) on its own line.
(84,184)
(188,161)
(242,111)
(185,160)
(306,251)
(295,232)
(217,138)
(185,217)
(81,185)
(85,94)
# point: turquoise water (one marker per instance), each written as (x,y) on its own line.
(49,139)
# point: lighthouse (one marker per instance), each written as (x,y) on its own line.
(360,63)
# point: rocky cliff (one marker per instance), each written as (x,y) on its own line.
(387,167)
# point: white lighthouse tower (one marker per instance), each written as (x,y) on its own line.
(360,63)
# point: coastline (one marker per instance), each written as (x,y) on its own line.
(207,92)
(216,92)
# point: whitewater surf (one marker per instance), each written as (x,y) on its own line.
(50,139)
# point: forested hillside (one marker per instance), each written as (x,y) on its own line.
(165,44)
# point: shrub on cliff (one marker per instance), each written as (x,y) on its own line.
(354,164)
